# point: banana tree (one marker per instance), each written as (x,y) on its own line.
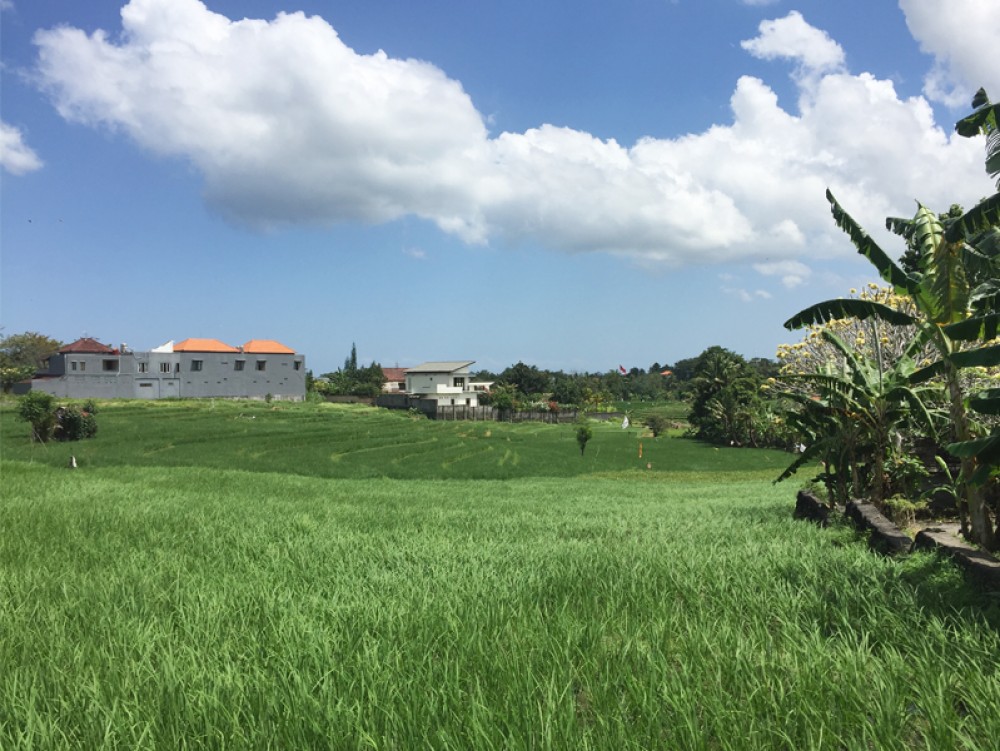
(954,287)
(850,416)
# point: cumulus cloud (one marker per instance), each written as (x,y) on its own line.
(287,124)
(16,157)
(963,36)
(792,38)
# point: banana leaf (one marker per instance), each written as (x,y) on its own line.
(867,247)
(972,329)
(978,219)
(861,310)
(986,402)
(983,357)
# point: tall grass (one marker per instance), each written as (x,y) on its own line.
(192,607)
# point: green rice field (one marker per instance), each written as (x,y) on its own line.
(311,576)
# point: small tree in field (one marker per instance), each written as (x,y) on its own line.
(38,410)
(583,434)
(656,424)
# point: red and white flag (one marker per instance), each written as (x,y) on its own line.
(621,369)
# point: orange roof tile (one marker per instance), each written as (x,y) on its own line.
(266,347)
(203,345)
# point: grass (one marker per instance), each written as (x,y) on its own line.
(151,599)
(352,441)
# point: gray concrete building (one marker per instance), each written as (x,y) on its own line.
(192,368)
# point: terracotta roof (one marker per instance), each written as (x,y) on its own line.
(203,345)
(86,346)
(266,347)
(394,374)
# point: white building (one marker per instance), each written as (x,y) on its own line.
(450,383)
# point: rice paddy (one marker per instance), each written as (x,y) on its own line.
(196,584)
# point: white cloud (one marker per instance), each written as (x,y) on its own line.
(16,157)
(418,254)
(963,36)
(745,295)
(289,125)
(791,273)
(793,39)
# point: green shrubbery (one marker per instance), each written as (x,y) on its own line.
(60,423)
(38,410)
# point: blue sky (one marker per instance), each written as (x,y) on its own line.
(576,185)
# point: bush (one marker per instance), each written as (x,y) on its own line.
(75,424)
(62,423)
(38,409)
(657,424)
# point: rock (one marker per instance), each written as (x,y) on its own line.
(808,506)
(885,536)
(976,563)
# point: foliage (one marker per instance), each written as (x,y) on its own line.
(48,421)
(527,379)
(38,410)
(352,379)
(903,509)
(504,397)
(950,278)
(21,355)
(984,120)
(657,424)
(74,424)
(583,435)
(727,407)
(853,414)
(567,389)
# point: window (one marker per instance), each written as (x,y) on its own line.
(298,365)
(145,385)
(239,364)
(460,382)
(196,364)
(109,366)
(261,364)
(83,365)
(164,367)
(72,365)
(143,367)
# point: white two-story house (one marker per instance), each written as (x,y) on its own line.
(448,382)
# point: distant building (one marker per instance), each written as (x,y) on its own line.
(395,380)
(447,382)
(192,368)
